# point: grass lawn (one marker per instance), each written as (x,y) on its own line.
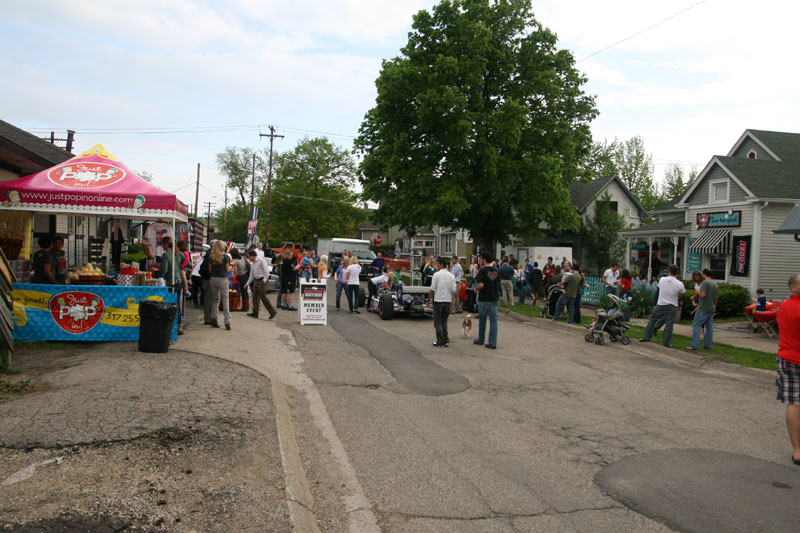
(721,352)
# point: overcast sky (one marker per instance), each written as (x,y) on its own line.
(167,84)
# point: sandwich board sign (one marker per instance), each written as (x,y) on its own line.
(313,307)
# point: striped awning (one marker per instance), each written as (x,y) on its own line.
(712,241)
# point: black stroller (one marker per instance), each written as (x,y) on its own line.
(553,293)
(611,322)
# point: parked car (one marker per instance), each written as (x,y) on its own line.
(365,258)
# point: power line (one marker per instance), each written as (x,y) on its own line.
(290,195)
(642,31)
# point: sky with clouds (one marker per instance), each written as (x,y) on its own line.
(168,84)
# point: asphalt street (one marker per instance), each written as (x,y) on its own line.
(516,439)
(377,430)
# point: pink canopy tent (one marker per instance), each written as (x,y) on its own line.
(92,183)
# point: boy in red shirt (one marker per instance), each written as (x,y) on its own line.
(788,381)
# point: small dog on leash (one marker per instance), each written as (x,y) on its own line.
(466,326)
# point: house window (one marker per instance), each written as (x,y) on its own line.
(718,263)
(752,154)
(718,192)
(448,243)
(614,206)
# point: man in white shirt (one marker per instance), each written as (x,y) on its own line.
(259,250)
(670,292)
(375,282)
(259,277)
(611,278)
(443,285)
(457,272)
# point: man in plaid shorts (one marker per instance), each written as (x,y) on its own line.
(788,381)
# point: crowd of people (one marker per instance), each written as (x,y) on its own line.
(223,270)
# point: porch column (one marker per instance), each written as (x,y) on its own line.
(649,258)
(674,239)
(628,253)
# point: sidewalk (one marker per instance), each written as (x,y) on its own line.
(733,333)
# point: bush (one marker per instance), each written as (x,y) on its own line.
(641,303)
(732,301)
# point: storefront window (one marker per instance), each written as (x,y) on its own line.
(718,264)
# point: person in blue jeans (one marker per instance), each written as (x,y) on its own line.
(707,297)
(488,288)
(338,277)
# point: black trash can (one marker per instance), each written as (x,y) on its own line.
(155,325)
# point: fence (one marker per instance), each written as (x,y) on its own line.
(593,294)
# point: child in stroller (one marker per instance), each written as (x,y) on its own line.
(609,321)
(551,300)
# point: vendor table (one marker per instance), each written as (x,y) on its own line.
(82,312)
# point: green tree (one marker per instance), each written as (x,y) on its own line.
(234,226)
(313,193)
(634,166)
(601,235)
(481,123)
(236,164)
(675,184)
(600,161)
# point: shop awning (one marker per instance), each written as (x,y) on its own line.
(712,241)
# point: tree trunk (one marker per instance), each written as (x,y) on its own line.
(486,245)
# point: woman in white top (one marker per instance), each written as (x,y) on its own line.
(351,279)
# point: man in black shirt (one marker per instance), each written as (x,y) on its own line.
(488,288)
(205,274)
(44,262)
(536,281)
(288,281)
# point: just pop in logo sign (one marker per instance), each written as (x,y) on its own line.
(76,312)
(85,175)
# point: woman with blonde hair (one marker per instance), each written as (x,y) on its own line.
(219,266)
(322,268)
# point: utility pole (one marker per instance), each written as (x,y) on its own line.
(209,205)
(225,209)
(253,184)
(197,192)
(69,140)
(272,137)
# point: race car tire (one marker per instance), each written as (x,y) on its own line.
(386,306)
(362,297)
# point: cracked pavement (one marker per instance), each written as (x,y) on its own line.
(519,448)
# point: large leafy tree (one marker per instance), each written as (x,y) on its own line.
(313,193)
(602,241)
(675,181)
(481,123)
(236,164)
(632,163)
(233,226)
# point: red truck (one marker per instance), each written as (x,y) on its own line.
(295,247)
(399,263)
